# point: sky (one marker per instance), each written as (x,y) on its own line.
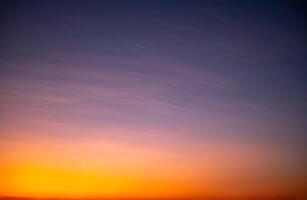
(153,99)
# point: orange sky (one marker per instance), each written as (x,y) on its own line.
(98,167)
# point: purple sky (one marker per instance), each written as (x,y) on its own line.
(160,73)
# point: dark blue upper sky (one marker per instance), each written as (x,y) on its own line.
(234,67)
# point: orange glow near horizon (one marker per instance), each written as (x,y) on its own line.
(96,168)
(53,170)
(47,182)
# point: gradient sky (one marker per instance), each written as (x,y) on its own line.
(152,99)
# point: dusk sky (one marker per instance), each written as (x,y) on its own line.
(153,99)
